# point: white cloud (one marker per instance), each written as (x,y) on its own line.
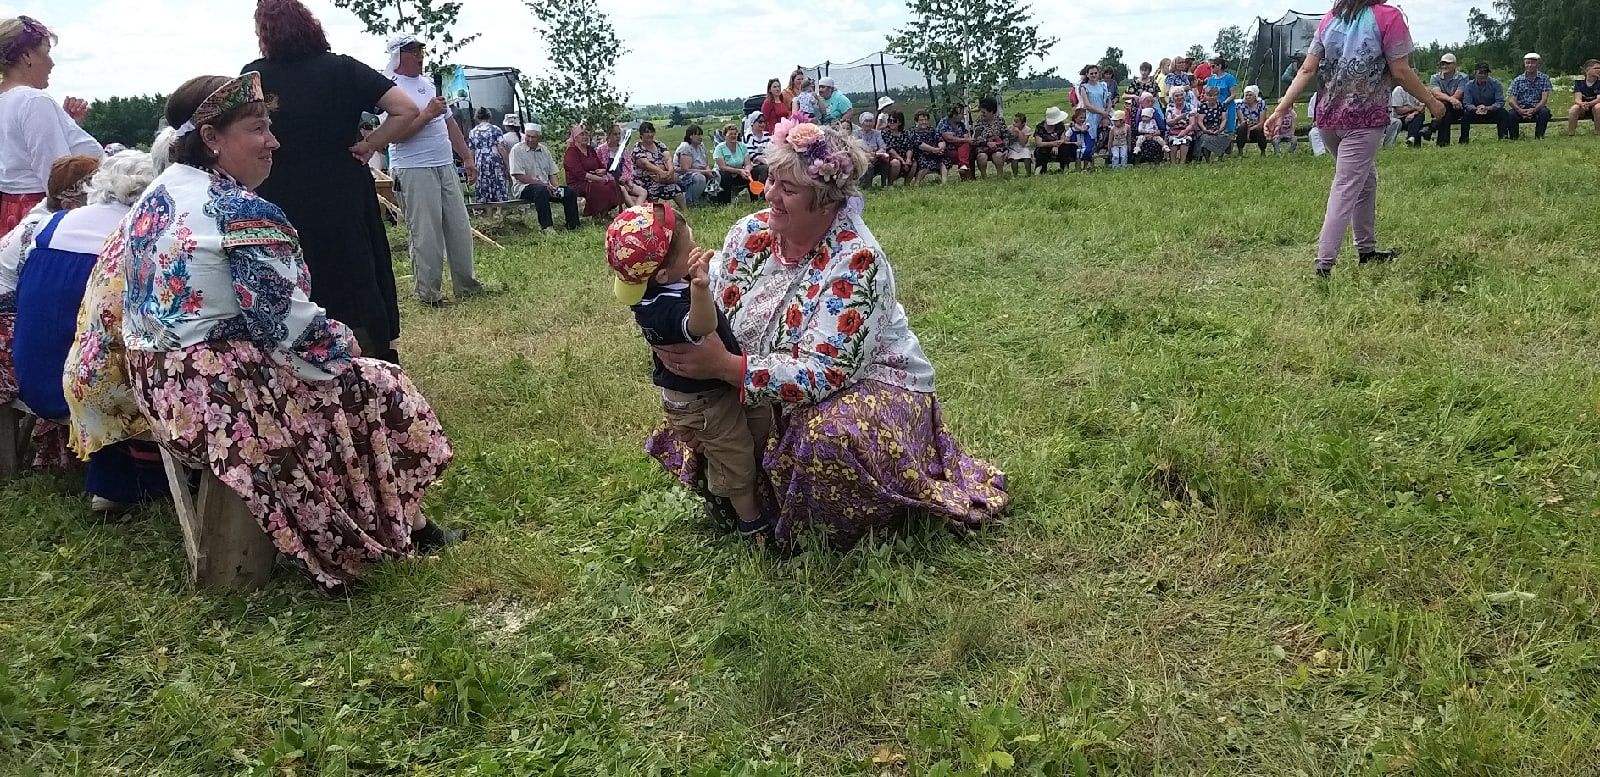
(677,51)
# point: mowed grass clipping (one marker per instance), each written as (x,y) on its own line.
(1264,525)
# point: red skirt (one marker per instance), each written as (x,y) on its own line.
(13,207)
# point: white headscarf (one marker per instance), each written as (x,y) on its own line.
(394,46)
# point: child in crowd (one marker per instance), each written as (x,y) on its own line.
(1121,136)
(1149,129)
(663,276)
(1283,134)
(1081,139)
(1017,151)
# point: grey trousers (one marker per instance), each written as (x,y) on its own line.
(436,223)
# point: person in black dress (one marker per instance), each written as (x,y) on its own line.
(320,177)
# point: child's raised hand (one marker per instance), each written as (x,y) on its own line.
(699,264)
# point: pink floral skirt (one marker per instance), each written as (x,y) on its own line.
(865,458)
(334,470)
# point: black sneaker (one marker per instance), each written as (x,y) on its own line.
(431,539)
(441,302)
(1379,257)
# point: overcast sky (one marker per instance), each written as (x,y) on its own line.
(678,50)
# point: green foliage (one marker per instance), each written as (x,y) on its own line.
(584,49)
(1562,32)
(1232,45)
(1264,526)
(1113,58)
(677,119)
(131,121)
(971,48)
(431,21)
(1197,53)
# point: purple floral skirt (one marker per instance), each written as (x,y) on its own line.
(334,470)
(861,460)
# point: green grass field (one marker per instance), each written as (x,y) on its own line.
(1264,525)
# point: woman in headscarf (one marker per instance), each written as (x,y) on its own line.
(198,313)
(34,130)
(586,173)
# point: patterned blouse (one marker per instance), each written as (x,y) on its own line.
(1251,114)
(1354,71)
(1213,117)
(897,141)
(831,320)
(206,260)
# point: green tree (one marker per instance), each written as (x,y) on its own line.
(1232,46)
(1197,53)
(430,20)
(131,121)
(1113,58)
(971,47)
(677,118)
(583,57)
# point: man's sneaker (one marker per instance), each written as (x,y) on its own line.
(442,302)
(1378,257)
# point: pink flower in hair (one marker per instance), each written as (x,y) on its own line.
(786,124)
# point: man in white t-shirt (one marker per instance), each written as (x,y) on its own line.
(533,170)
(425,178)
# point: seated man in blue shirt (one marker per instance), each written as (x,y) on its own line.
(1529,99)
(1485,103)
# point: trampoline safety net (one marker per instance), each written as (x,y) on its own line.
(1278,48)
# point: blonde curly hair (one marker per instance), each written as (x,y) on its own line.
(787,161)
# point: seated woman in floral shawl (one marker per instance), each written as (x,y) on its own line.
(859,439)
(198,314)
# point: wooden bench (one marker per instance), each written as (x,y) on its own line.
(226,547)
(16,427)
(497,210)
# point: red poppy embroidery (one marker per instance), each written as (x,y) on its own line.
(812,291)
(847,236)
(861,260)
(850,322)
(733,266)
(758,242)
(789,392)
(835,377)
(843,289)
(731,296)
(793,317)
(763,216)
(827,349)
(760,378)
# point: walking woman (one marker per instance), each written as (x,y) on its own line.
(1357,56)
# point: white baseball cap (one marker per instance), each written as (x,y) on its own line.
(1531,55)
(1449,59)
(825,81)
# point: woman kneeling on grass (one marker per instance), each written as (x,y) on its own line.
(858,439)
(1357,55)
(232,366)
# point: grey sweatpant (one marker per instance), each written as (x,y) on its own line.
(436,222)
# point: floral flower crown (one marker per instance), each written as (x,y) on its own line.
(811,143)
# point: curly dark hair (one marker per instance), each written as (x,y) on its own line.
(286,30)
